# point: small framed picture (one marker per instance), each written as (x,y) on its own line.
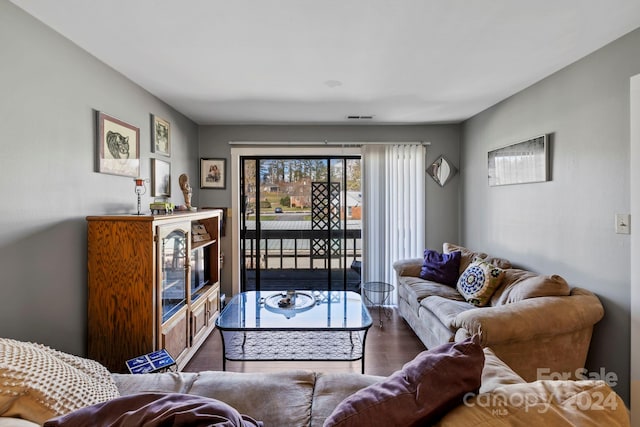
(161,178)
(212,173)
(118,146)
(161,136)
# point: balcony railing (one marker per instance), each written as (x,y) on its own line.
(302,249)
(286,259)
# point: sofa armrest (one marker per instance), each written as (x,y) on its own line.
(533,317)
(408,267)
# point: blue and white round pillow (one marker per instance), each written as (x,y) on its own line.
(479,281)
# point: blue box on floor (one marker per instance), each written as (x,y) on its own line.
(152,362)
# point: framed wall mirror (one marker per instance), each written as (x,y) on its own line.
(524,162)
(441,171)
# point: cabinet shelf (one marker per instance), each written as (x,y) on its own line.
(141,296)
(204,243)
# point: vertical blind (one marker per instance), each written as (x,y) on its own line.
(394,205)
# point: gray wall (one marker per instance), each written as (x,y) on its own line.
(565,226)
(49,89)
(442,202)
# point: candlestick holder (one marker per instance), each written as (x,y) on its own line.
(140,189)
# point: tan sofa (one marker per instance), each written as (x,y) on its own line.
(533,322)
(305,398)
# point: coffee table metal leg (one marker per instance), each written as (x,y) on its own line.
(224,352)
(364,340)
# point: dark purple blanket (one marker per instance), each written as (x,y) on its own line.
(156,410)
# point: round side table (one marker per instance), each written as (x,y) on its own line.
(378,294)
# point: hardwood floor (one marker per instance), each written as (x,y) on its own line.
(387,349)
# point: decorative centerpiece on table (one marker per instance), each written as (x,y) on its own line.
(288,301)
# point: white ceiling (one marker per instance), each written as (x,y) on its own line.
(317,61)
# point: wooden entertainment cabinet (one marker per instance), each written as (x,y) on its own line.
(153,282)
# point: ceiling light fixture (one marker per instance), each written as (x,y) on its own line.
(333,83)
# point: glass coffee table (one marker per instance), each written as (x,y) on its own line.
(313,326)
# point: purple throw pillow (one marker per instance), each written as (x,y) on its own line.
(156,410)
(420,393)
(441,268)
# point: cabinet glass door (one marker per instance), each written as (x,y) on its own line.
(173,256)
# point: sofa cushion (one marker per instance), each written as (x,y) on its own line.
(467,256)
(39,383)
(166,382)
(156,410)
(496,373)
(420,393)
(247,393)
(479,281)
(441,268)
(331,388)
(432,331)
(542,403)
(408,267)
(518,285)
(16,422)
(414,289)
(498,262)
(445,309)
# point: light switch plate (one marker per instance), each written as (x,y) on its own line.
(623,224)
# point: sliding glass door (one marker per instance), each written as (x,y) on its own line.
(300,225)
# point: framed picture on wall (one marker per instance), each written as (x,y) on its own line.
(118,151)
(161,178)
(212,173)
(161,136)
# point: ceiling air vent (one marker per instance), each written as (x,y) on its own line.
(359,117)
